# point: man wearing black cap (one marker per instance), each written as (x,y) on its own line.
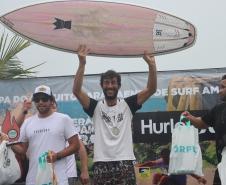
(47,131)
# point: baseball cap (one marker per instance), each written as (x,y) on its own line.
(43,89)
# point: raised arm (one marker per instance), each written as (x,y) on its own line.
(27,104)
(152,80)
(78,80)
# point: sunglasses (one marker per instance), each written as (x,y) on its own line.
(37,99)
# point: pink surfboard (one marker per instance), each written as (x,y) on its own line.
(108,29)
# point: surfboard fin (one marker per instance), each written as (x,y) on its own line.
(61,24)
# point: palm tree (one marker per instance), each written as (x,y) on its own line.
(10,66)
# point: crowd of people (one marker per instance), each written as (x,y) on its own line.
(51,131)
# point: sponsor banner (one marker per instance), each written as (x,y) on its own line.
(177,91)
(151,127)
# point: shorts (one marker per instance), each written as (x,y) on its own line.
(114,173)
(216,180)
(73,180)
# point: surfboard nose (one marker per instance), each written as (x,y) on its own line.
(192,35)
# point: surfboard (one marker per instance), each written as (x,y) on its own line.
(107,28)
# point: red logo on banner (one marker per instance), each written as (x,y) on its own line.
(11,129)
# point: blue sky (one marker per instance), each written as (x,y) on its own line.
(209,50)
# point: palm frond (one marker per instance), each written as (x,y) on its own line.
(10,65)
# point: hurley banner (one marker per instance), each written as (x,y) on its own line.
(158,126)
(177,91)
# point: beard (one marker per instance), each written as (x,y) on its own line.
(112,96)
(43,110)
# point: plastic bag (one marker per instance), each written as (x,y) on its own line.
(45,175)
(9,167)
(185,155)
(222,167)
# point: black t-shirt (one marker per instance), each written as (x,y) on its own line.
(216,118)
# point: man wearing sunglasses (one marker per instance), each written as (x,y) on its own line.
(47,131)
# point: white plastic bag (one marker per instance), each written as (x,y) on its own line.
(185,155)
(45,173)
(222,167)
(9,166)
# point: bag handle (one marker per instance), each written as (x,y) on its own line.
(185,120)
(42,160)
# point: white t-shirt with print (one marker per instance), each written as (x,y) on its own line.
(43,135)
(113,134)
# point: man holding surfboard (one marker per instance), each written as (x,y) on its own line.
(112,118)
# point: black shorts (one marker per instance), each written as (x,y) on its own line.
(216,180)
